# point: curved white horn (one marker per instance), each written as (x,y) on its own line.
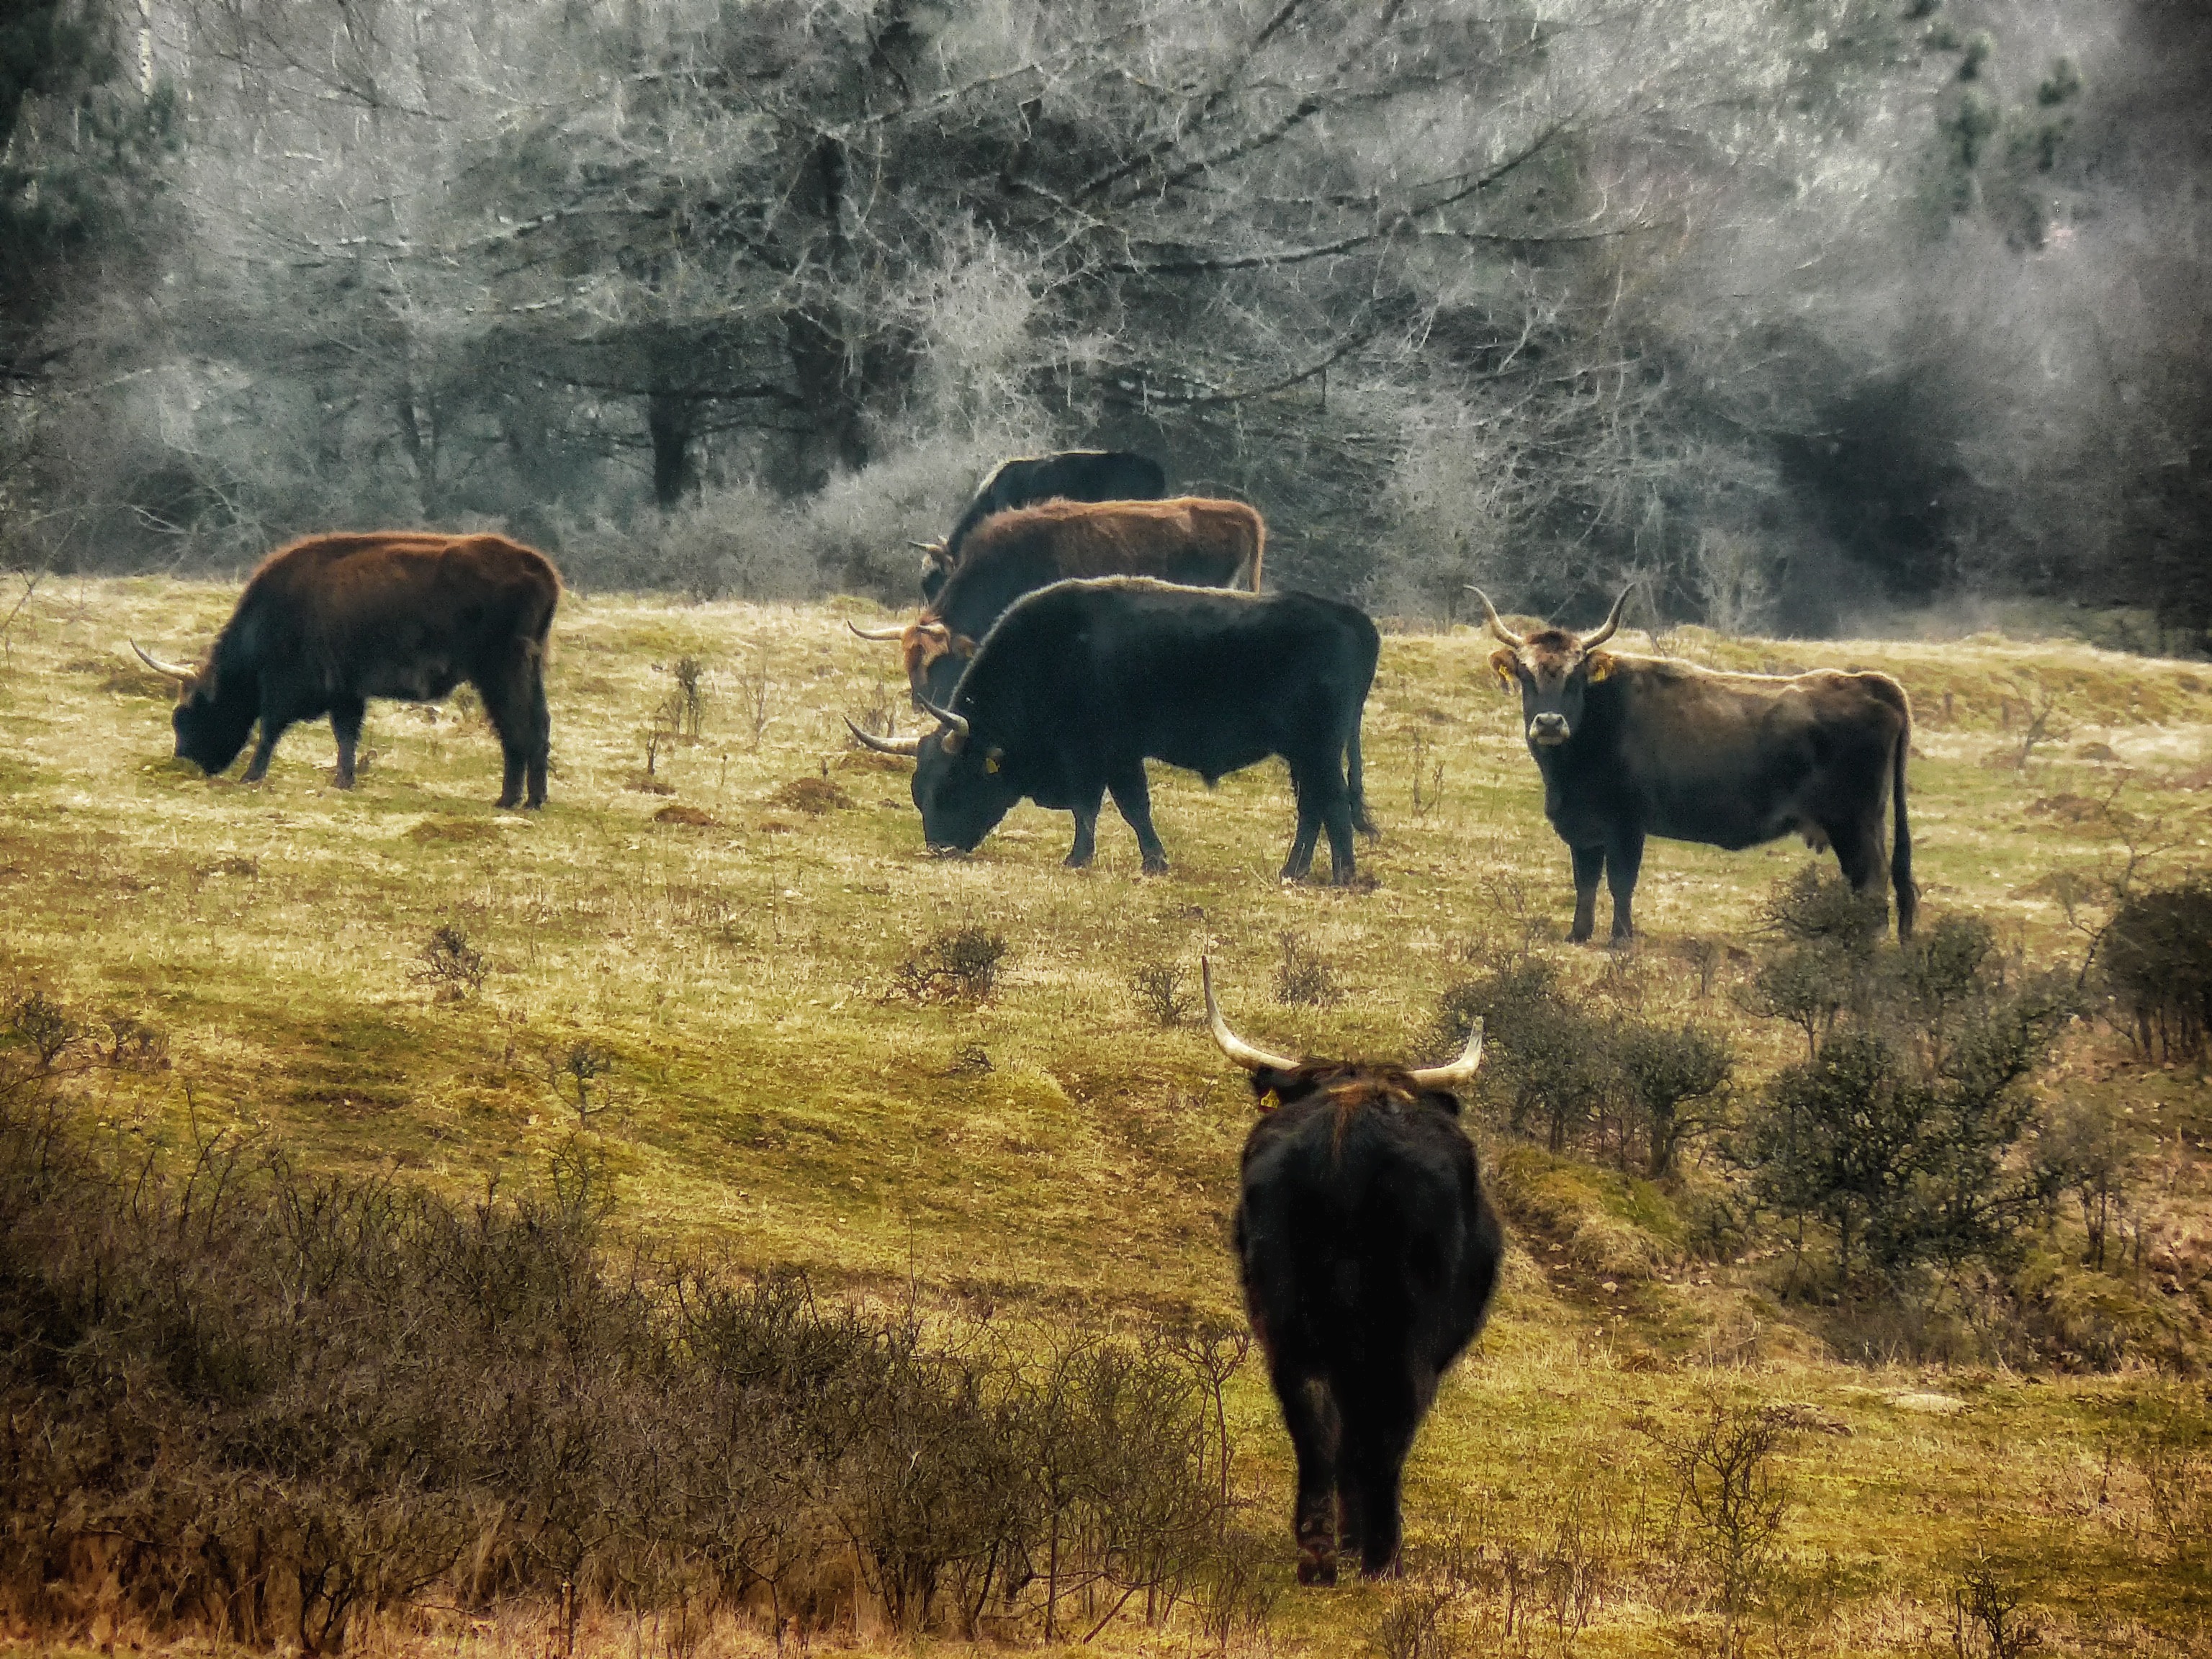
(1459,1071)
(1591,641)
(160,668)
(909,747)
(875,633)
(943,716)
(1497,627)
(1235,1046)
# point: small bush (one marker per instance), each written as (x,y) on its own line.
(1302,978)
(1162,990)
(1731,1503)
(2157,955)
(961,963)
(450,965)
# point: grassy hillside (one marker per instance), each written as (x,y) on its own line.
(709,972)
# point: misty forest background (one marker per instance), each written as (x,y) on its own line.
(1814,313)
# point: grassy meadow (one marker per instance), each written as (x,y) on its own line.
(709,971)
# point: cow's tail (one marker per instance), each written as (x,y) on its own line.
(1900,855)
(1355,779)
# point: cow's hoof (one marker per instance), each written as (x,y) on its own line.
(1320,1570)
(1155,867)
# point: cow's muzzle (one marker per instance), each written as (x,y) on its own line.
(1549,730)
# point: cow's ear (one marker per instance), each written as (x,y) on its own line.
(1600,664)
(1505,663)
(1267,1087)
(991,759)
(962,646)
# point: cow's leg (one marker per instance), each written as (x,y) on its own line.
(1624,857)
(1309,793)
(346,716)
(1589,866)
(1086,830)
(1134,796)
(1381,1413)
(506,690)
(1310,1416)
(1859,851)
(272,727)
(541,732)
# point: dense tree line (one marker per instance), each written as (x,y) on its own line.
(1803,309)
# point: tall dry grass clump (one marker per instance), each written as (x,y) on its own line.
(244,1401)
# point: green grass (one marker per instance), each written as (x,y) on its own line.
(771,1092)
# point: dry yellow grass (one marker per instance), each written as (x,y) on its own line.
(768,1089)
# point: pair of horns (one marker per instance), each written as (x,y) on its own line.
(1589,641)
(170,670)
(1251,1058)
(910,746)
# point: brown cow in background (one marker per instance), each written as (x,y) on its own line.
(1188,540)
(328,623)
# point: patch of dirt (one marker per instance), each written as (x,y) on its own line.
(814,796)
(691,815)
(456,831)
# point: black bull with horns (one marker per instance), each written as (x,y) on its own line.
(1637,747)
(328,623)
(1081,683)
(1369,1256)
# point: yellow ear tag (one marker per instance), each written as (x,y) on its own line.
(1601,666)
(1269,1101)
(990,762)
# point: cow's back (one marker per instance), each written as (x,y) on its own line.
(1202,678)
(1727,759)
(1363,1231)
(377,592)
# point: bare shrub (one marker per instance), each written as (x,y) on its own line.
(688,709)
(2157,956)
(1163,991)
(449,964)
(1731,1503)
(961,963)
(377,1393)
(1302,978)
(1985,1621)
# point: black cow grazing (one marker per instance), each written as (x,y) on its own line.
(1637,747)
(328,623)
(1190,539)
(1079,684)
(1369,1255)
(1072,475)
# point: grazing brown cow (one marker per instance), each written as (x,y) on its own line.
(1637,747)
(1368,1255)
(1188,540)
(328,623)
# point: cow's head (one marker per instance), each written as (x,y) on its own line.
(936,566)
(1279,1081)
(961,786)
(211,726)
(923,644)
(1553,669)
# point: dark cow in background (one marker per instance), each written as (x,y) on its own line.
(1079,684)
(1637,747)
(328,623)
(1190,539)
(1369,1255)
(1072,475)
